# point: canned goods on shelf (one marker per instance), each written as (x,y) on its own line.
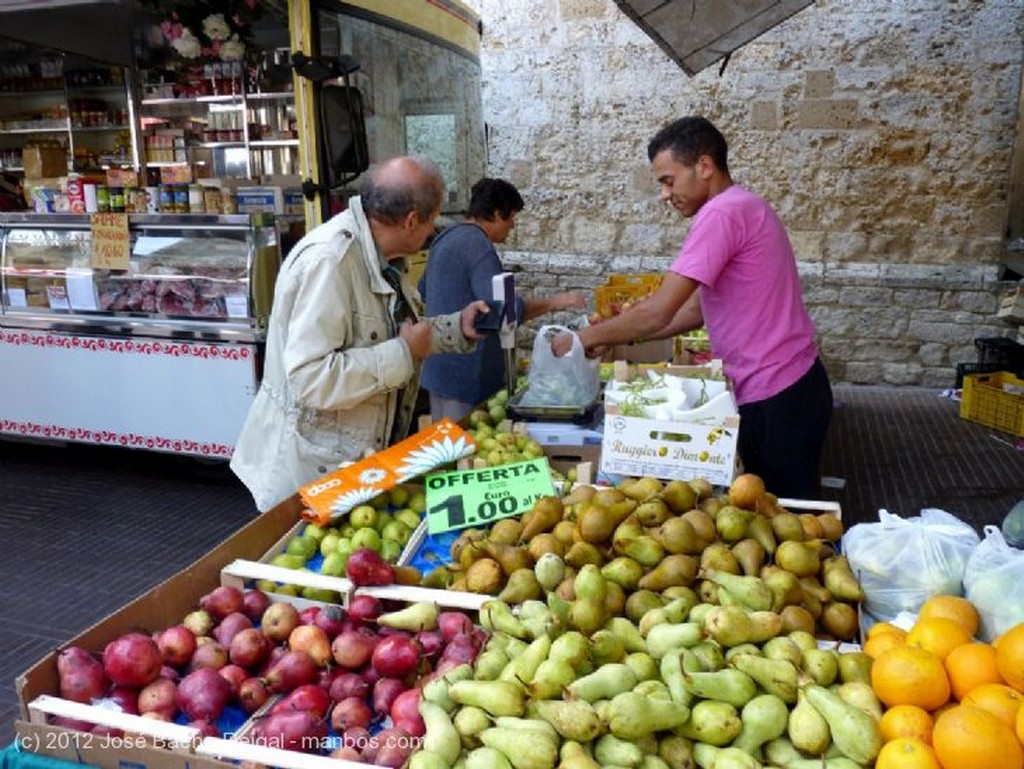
(102,198)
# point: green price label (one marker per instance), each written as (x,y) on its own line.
(478,497)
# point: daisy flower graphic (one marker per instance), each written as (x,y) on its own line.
(429,456)
(372,475)
(354,498)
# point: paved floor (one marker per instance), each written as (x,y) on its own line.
(83,529)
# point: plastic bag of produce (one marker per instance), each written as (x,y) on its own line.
(571,380)
(902,561)
(994,583)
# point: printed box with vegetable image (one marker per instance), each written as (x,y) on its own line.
(675,422)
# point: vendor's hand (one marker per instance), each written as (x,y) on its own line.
(419,337)
(468,318)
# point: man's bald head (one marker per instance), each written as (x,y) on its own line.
(402,185)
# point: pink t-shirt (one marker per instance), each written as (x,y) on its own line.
(738,250)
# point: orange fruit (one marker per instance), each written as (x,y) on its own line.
(906,721)
(971,665)
(1000,700)
(883,628)
(1020,725)
(881,643)
(908,675)
(1010,656)
(966,737)
(953,607)
(906,753)
(745,490)
(938,635)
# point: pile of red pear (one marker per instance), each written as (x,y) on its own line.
(328,670)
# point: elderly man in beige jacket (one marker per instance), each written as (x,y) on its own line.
(344,347)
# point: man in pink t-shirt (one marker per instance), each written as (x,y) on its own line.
(736,274)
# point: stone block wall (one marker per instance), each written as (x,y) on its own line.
(882,133)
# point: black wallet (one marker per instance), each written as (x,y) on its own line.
(491,322)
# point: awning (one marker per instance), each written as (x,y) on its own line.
(697,33)
(98,30)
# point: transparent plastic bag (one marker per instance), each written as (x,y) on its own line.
(994,583)
(571,380)
(900,562)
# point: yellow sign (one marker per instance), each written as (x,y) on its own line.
(111,243)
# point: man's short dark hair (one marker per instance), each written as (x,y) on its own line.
(688,138)
(390,200)
(494,197)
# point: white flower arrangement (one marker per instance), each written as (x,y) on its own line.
(232,49)
(215,27)
(187,45)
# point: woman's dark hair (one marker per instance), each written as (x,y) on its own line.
(688,138)
(494,197)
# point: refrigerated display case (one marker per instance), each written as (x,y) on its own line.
(163,355)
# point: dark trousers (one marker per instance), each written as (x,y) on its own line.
(782,438)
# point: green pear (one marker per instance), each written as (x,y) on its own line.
(862,696)
(606,647)
(627,632)
(707,655)
(633,716)
(537,617)
(676,751)
(671,672)
(663,638)
(677,535)
(499,698)
(534,753)
(486,758)
(855,666)
(714,757)
(603,683)
(764,718)
(587,615)
(533,723)
(415,617)
(719,556)
(729,625)
(549,570)
(807,728)
(609,750)
(680,496)
(778,677)
(752,592)
(551,677)
(522,585)
(440,737)
(640,602)
(573,719)
(783,648)
(572,755)
(624,571)
(732,523)
(760,530)
(653,512)
(711,722)
(643,665)
(782,752)
(436,691)
(671,571)
(490,663)
(822,665)
(590,583)
(523,666)
(425,759)
(854,732)
(727,685)
(571,647)
(497,615)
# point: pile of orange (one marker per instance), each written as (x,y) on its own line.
(952,702)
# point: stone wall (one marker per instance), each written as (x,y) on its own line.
(881,131)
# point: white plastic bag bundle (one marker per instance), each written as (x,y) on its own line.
(901,562)
(994,583)
(571,380)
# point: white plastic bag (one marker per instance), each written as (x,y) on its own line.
(571,380)
(900,562)
(994,583)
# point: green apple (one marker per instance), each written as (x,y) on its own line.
(484,431)
(479,417)
(329,543)
(321,594)
(489,444)
(266,585)
(344,546)
(397,531)
(287,590)
(334,564)
(363,516)
(304,547)
(287,560)
(366,538)
(533,450)
(398,496)
(418,502)
(408,517)
(347,530)
(380,501)
(390,550)
(383,519)
(315,531)
(497,413)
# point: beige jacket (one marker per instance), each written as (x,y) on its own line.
(337,380)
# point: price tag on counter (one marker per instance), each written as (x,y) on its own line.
(111,243)
(483,495)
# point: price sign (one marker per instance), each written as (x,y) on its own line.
(111,243)
(481,496)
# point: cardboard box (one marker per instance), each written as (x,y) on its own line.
(41,162)
(1011,306)
(654,351)
(669,449)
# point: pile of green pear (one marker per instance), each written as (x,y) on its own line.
(690,684)
(384,524)
(654,541)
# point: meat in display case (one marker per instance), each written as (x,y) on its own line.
(163,355)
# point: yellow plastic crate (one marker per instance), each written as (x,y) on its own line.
(652,279)
(986,400)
